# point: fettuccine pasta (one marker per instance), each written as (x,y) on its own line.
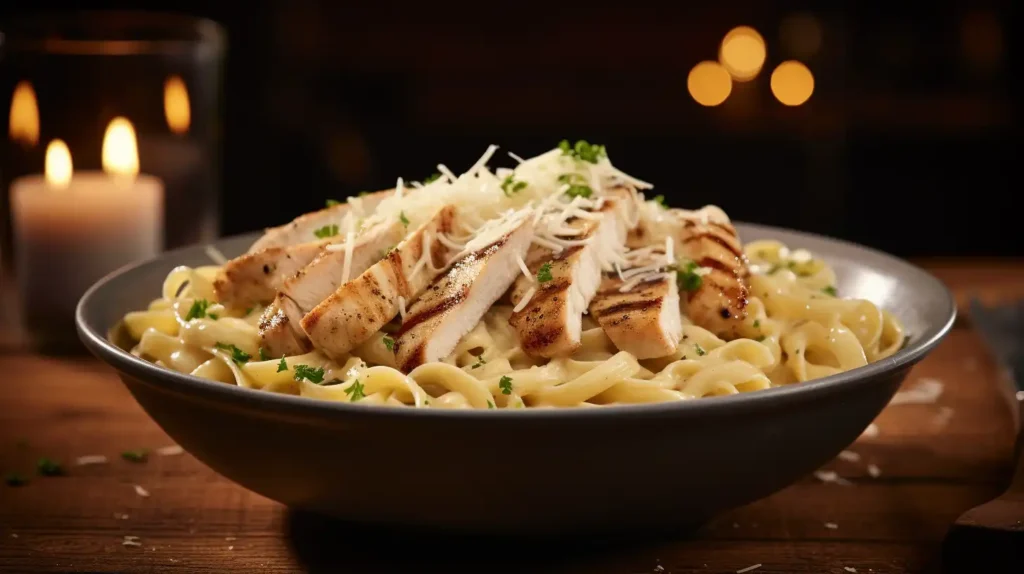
(796,329)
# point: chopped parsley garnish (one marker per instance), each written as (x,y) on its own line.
(480,361)
(356,391)
(403,218)
(140,455)
(326,231)
(757,323)
(660,200)
(544,273)
(333,202)
(263,355)
(314,375)
(760,339)
(388,252)
(830,290)
(197,310)
(48,467)
(687,278)
(582,150)
(432,178)
(282,366)
(577,185)
(505,384)
(249,311)
(389,343)
(15,479)
(700,350)
(213,316)
(490,405)
(363,193)
(239,356)
(510,186)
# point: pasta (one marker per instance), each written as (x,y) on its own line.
(795,328)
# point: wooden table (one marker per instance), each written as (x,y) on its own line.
(935,461)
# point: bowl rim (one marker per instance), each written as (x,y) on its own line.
(182,383)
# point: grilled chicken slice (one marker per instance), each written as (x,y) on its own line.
(300,229)
(360,307)
(720,303)
(255,277)
(315,282)
(454,304)
(278,336)
(551,322)
(644,321)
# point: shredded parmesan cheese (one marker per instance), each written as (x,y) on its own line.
(401,307)
(831,476)
(748,569)
(525,300)
(523,267)
(91,459)
(849,456)
(170,450)
(215,255)
(141,491)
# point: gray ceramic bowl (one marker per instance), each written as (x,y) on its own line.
(514,472)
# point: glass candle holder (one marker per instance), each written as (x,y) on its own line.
(112,154)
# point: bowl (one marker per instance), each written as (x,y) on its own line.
(535,472)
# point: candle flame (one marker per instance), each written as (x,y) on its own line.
(176,106)
(58,164)
(120,152)
(24,119)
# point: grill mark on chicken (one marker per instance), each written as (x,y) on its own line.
(642,305)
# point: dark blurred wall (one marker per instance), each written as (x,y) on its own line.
(905,145)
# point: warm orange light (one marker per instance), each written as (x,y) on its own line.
(176,107)
(57,168)
(120,151)
(709,83)
(792,83)
(742,52)
(23,125)
(801,35)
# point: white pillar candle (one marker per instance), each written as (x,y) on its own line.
(71,230)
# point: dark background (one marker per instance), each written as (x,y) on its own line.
(907,143)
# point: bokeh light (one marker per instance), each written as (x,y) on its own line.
(742,52)
(709,83)
(792,83)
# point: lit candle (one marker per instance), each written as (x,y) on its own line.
(71,229)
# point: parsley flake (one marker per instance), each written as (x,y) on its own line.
(760,339)
(15,479)
(326,231)
(660,200)
(314,375)
(700,350)
(480,361)
(282,366)
(544,273)
(333,202)
(505,384)
(249,311)
(511,186)
(687,278)
(830,291)
(49,467)
(757,323)
(389,343)
(197,310)
(432,178)
(490,405)
(140,455)
(213,316)
(239,356)
(403,218)
(356,391)
(263,355)
(583,150)
(577,185)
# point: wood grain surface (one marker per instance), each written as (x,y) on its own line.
(933,462)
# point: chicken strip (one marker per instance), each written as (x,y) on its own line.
(359,308)
(255,277)
(719,303)
(561,285)
(456,302)
(644,320)
(315,282)
(300,229)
